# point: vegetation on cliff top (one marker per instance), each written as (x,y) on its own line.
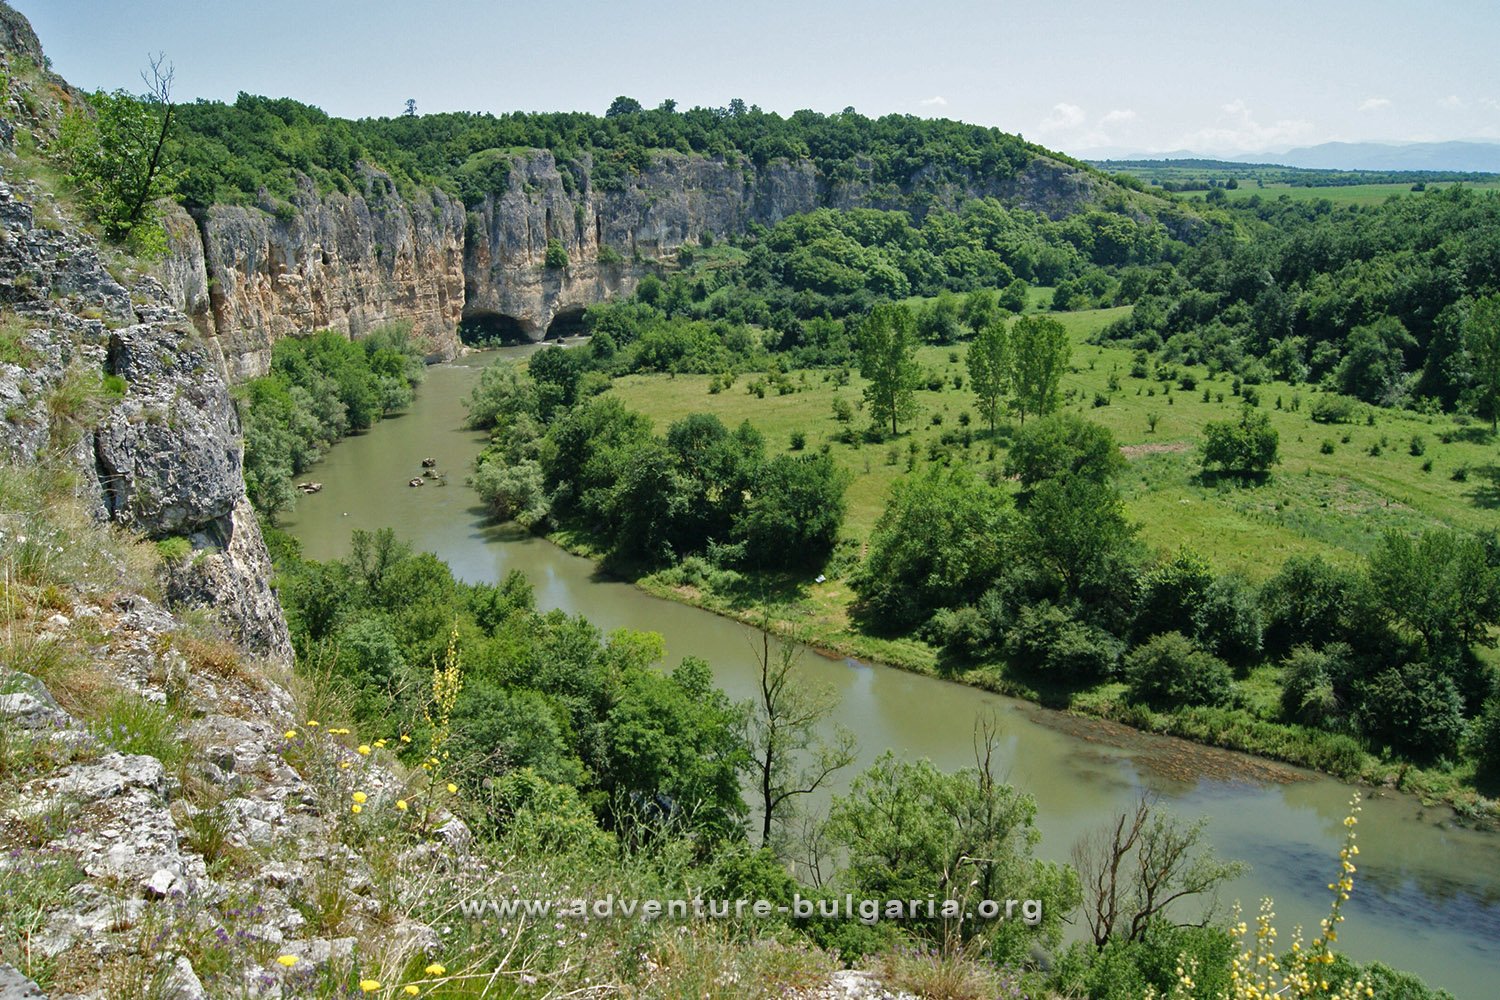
(231,152)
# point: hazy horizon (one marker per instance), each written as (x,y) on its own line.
(1083,77)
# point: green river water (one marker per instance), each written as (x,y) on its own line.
(1427,895)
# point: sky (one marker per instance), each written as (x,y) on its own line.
(1089,77)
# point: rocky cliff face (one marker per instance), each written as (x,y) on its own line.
(334,261)
(354,262)
(116,383)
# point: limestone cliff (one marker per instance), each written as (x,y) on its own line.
(346,262)
(104,376)
(353,262)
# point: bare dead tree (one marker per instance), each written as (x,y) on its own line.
(790,757)
(1141,863)
(158,78)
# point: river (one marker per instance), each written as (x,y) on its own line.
(1427,895)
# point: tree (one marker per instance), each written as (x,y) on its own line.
(1064,445)
(888,361)
(989,368)
(1482,340)
(1440,586)
(795,509)
(1170,670)
(788,756)
(940,542)
(914,832)
(410,111)
(1039,352)
(1135,867)
(1241,447)
(673,753)
(623,106)
(115,152)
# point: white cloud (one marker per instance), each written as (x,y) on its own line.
(1375,104)
(1063,117)
(934,102)
(1118,117)
(1451,101)
(1237,130)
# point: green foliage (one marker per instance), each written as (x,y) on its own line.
(1039,354)
(912,832)
(1048,638)
(111,148)
(1363,298)
(1483,743)
(256,140)
(1169,669)
(1440,586)
(794,513)
(939,544)
(174,549)
(556,257)
(1064,445)
(1414,709)
(988,362)
(1314,689)
(887,345)
(1242,447)
(1482,342)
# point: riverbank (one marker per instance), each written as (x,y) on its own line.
(820,621)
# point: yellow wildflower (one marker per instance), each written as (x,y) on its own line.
(344,764)
(452,788)
(411,991)
(405,738)
(401,805)
(380,744)
(435,969)
(361,797)
(368,985)
(356,808)
(364,750)
(313,723)
(290,734)
(287,961)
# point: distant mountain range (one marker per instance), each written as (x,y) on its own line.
(1456,156)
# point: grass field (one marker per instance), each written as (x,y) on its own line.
(1350,194)
(1335,504)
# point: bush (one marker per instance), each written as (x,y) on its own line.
(1046,637)
(1170,670)
(799,440)
(1414,709)
(556,257)
(1243,446)
(1331,408)
(1310,680)
(1483,742)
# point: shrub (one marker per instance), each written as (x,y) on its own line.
(1483,742)
(1048,638)
(1170,670)
(556,257)
(1242,446)
(1414,709)
(1418,446)
(1310,680)
(1326,447)
(1331,408)
(174,549)
(799,440)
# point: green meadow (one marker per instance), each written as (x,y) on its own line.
(1337,487)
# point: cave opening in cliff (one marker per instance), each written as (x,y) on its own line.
(567,323)
(489,329)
